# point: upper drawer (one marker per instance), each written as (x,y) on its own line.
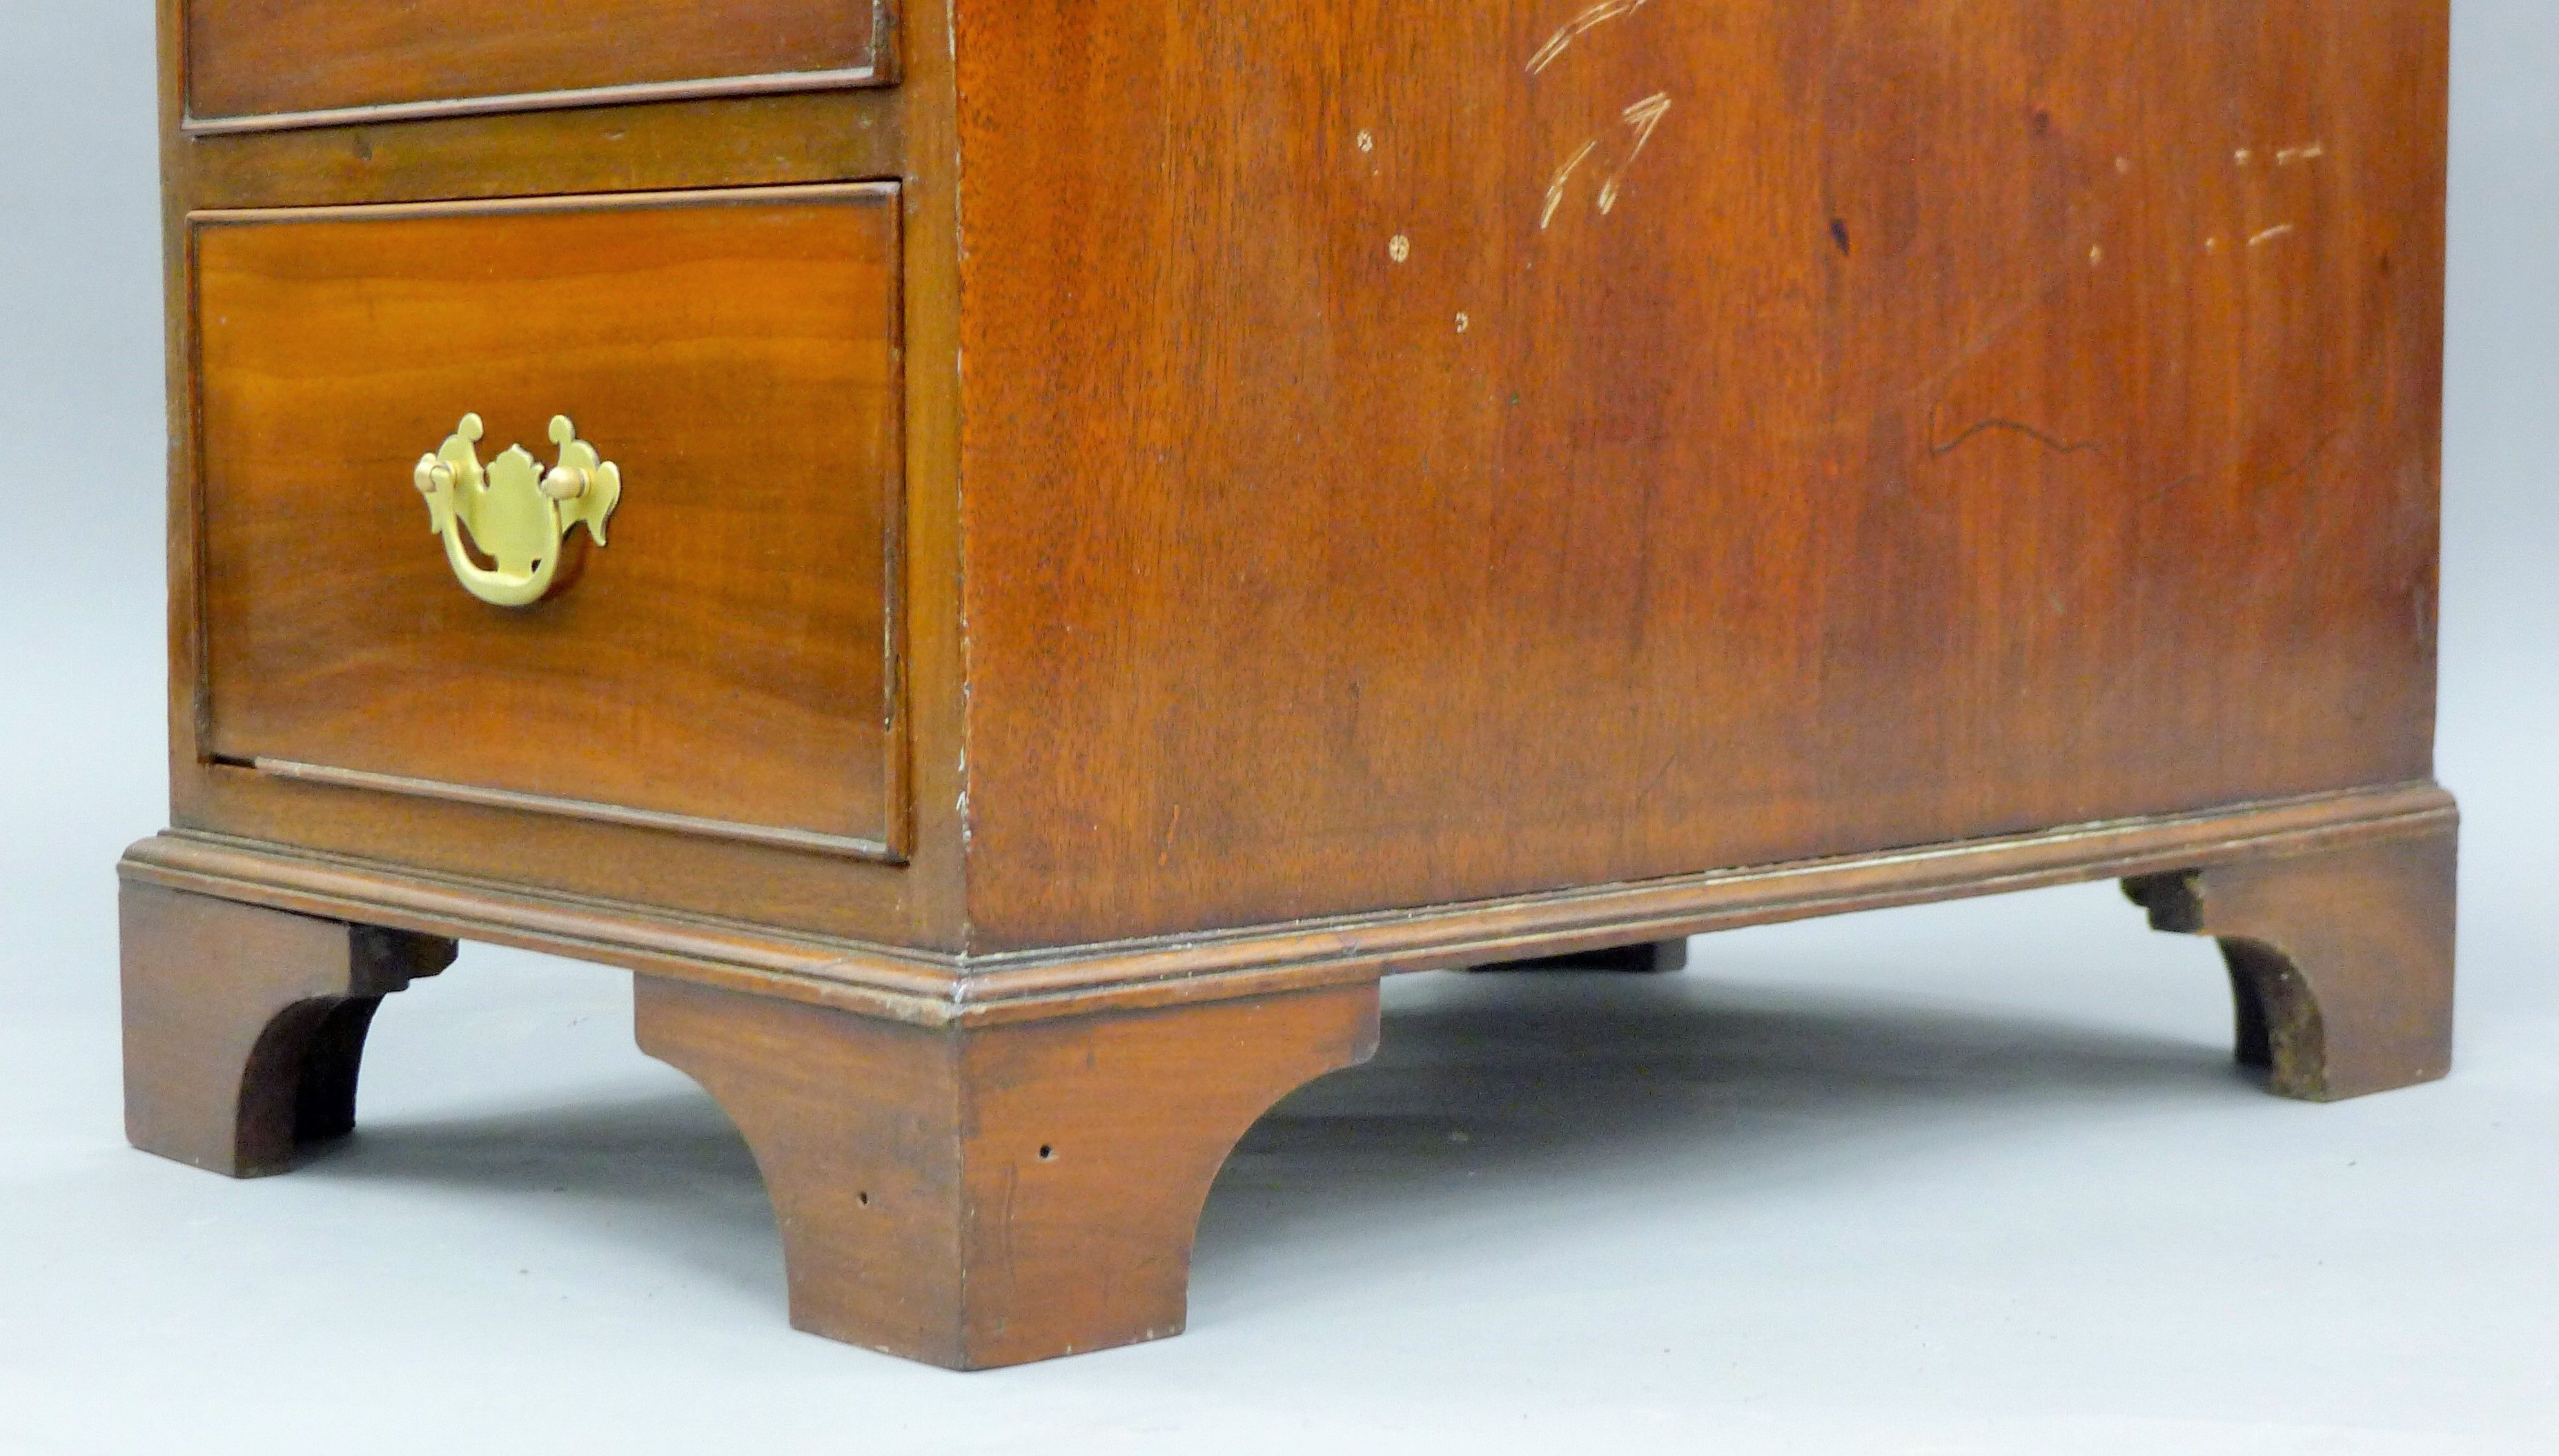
(255,63)
(721,662)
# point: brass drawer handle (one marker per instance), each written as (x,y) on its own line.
(516,515)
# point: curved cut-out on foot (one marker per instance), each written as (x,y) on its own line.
(245,1028)
(977,1195)
(2341,961)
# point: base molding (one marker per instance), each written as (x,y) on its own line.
(935,990)
(982,1161)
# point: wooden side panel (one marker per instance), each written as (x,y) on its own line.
(249,58)
(1442,450)
(728,657)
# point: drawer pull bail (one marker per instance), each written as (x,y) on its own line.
(515,514)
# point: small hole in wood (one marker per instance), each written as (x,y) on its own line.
(1047,1152)
(864,1197)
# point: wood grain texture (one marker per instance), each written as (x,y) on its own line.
(728,657)
(2340,963)
(1953,419)
(245,1027)
(752,142)
(979,1198)
(250,59)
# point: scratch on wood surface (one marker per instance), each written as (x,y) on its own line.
(1561,41)
(1644,115)
(2280,229)
(2311,153)
(2013,427)
(1563,180)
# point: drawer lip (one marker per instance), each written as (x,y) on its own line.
(892,847)
(578,808)
(747,195)
(775,83)
(880,71)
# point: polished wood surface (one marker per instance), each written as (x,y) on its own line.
(746,141)
(728,657)
(265,58)
(1941,420)
(2340,963)
(1432,487)
(990,1197)
(245,1027)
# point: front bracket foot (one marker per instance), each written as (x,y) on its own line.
(992,1193)
(2341,961)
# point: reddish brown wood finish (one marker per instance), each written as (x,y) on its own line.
(245,1028)
(1962,418)
(1437,484)
(727,657)
(2341,964)
(263,58)
(983,1197)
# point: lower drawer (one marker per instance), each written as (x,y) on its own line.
(722,661)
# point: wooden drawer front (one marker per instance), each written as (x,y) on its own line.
(267,63)
(723,664)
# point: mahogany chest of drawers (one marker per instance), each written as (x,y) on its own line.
(1011,559)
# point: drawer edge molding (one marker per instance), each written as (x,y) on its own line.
(579,809)
(930,988)
(776,83)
